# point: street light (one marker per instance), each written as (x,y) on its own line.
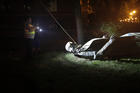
(132,18)
(132,13)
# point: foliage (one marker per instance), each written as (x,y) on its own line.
(109,9)
(110,28)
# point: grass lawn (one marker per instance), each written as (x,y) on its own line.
(56,72)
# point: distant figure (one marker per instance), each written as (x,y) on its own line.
(36,42)
(29,35)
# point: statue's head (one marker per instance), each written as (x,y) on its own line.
(69,46)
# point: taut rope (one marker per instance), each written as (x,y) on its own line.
(58,22)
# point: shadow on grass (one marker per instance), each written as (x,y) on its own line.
(67,73)
(56,72)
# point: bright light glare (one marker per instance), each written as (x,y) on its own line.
(134,11)
(37,27)
(40,30)
(131,13)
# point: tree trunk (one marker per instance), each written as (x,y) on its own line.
(79,25)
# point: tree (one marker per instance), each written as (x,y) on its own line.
(98,12)
(79,23)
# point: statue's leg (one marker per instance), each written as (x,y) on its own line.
(86,53)
(100,52)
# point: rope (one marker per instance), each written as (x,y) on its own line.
(58,22)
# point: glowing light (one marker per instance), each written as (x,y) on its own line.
(130,13)
(131,18)
(128,20)
(40,30)
(37,27)
(134,11)
(125,19)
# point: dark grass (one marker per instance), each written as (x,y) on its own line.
(59,72)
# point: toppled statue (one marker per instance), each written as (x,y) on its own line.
(127,45)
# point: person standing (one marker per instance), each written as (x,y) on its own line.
(36,42)
(29,35)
